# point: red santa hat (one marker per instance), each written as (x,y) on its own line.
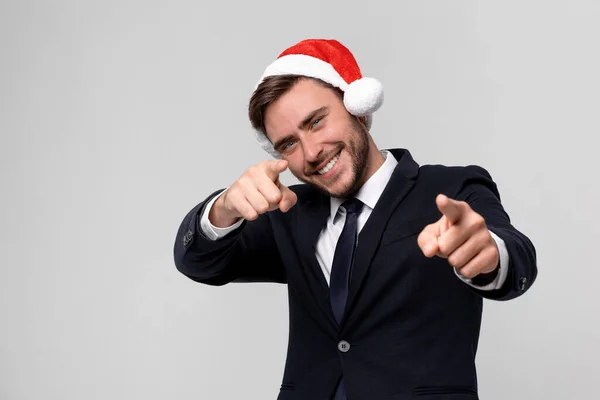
(331,62)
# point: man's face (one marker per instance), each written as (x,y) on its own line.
(324,145)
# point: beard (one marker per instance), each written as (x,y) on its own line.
(358,152)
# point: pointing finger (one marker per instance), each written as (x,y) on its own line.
(452,209)
(275,167)
(269,189)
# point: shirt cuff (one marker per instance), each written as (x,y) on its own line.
(502,271)
(212,232)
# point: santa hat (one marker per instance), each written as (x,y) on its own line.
(331,62)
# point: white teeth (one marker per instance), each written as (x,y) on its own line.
(329,165)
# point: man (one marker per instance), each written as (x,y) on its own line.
(387,262)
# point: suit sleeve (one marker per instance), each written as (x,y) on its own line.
(493,280)
(481,193)
(247,254)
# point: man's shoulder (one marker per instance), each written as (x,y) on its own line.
(453,179)
(438,171)
(453,172)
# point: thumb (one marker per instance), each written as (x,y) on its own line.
(288,198)
(428,240)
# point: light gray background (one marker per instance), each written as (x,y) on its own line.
(117,117)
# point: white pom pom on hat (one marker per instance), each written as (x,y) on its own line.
(331,62)
(363,96)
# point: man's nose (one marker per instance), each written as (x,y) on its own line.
(312,149)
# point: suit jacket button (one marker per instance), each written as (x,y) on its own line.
(343,346)
(523,280)
(187,238)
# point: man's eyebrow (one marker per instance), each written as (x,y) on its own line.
(282,141)
(310,116)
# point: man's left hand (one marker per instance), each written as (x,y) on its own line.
(461,236)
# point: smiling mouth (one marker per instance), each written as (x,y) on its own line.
(329,165)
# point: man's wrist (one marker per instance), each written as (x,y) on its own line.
(486,278)
(218,215)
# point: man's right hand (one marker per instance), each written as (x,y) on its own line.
(257,191)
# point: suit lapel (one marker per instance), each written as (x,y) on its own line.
(310,220)
(400,184)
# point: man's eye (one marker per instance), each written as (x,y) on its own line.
(316,121)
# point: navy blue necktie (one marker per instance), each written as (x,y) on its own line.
(341,267)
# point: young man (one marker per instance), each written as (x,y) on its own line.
(387,262)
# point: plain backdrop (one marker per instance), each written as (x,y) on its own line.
(118,117)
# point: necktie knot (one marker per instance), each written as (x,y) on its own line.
(352,206)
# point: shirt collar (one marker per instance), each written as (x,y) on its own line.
(370,192)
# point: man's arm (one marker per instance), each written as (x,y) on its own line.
(213,232)
(481,193)
(247,253)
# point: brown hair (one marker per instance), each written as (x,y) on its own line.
(270,90)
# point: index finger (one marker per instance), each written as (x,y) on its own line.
(452,209)
(274,167)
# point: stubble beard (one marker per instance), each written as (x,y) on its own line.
(358,152)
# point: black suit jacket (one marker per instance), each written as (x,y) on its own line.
(411,324)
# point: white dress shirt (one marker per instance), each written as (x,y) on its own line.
(369,193)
